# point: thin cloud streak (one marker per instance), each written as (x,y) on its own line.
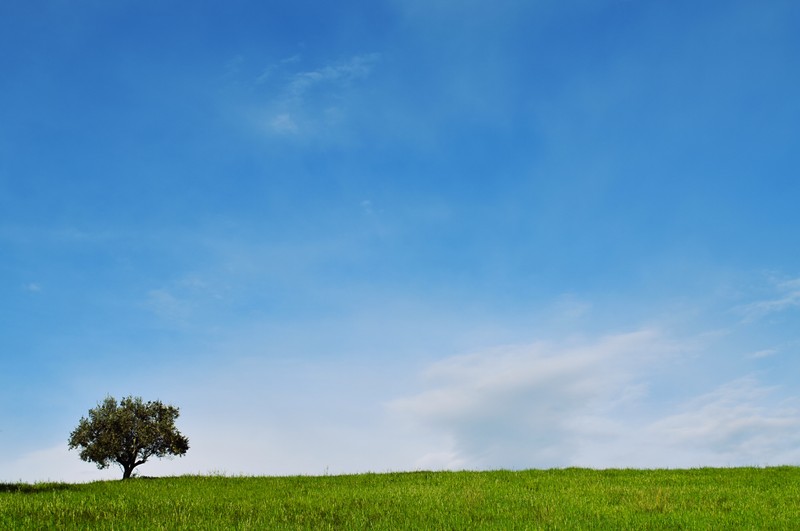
(308,101)
(788,298)
(737,423)
(338,74)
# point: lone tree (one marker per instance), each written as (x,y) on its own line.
(128,433)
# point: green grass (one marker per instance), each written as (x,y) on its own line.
(707,498)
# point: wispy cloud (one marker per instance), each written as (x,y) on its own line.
(183,300)
(305,101)
(32,287)
(736,424)
(765,353)
(590,404)
(268,72)
(786,298)
(284,124)
(523,406)
(167,306)
(338,75)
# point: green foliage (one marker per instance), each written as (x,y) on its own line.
(735,498)
(128,433)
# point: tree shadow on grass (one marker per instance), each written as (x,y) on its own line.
(36,488)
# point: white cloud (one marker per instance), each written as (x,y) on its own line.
(268,72)
(366,206)
(311,101)
(186,300)
(524,406)
(597,401)
(568,306)
(736,424)
(32,287)
(547,405)
(337,74)
(788,297)
(284,124)
(168,307)
(765,353)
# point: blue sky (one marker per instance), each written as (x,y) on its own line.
(397,235)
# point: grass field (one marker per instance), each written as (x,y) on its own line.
(708,498)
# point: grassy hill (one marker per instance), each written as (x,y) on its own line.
(707,498)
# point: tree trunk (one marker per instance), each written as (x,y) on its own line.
(127,470)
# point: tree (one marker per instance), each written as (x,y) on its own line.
(128,433)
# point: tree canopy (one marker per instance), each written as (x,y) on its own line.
(128,433)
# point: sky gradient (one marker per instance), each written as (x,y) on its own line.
(401,234)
